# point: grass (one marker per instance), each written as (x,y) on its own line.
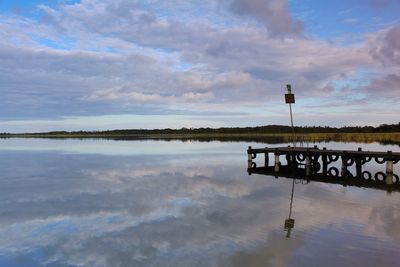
(386,138)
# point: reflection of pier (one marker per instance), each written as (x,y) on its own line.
(313,164)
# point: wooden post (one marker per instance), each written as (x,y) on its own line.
(324,163)
(358,165)
(276,162)
(249,158)
(389,172)
(293,161)
(289,159)
(344,166)
(266,154)
(289,99)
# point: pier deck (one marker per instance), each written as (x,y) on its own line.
(316,151)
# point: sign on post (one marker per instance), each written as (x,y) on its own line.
(289,97)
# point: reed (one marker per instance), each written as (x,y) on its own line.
(384,138)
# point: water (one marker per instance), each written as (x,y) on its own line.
(158,203)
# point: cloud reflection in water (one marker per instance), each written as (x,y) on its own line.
(196,209)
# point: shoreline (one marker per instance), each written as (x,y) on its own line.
(388,138)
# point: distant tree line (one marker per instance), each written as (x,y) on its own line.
(383,128)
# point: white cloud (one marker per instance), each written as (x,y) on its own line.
(127,95)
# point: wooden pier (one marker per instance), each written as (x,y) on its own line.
(327,165)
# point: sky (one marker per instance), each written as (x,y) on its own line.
(112,64)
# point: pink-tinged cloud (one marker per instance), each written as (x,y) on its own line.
(387,87)
(274,14)
(388,50)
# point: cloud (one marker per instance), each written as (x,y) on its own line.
(125,94)
(385,87)
(350,20)
(117,57)
(382,5)
(384,47)
(387,49)
(274,14)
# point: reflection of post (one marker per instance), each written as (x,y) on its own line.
(276,162)
(389,170)
(289,222)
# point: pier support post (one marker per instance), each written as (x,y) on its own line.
(324,163)
(308,165)
(289,160)
(276,162)
(249,158)
(344,166)
(358,168)
(293,161)
(389,172)
(358,165)
(266,162)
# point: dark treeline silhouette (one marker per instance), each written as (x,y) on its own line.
(273,129)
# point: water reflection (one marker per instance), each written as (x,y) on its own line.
(377,180)
(289,222)
(198,208)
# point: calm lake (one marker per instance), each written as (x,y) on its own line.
(159,203)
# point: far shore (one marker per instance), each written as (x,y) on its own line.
(384,138)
